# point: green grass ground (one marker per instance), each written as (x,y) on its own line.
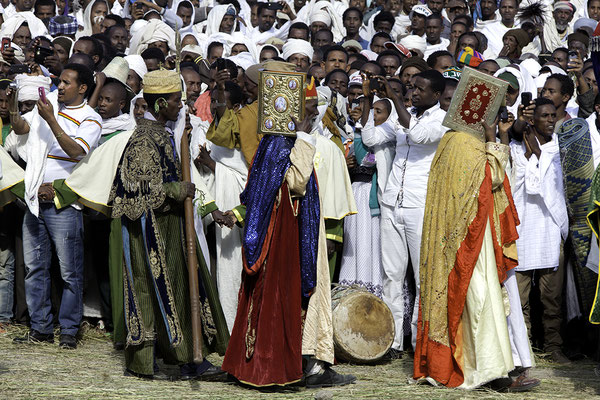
(95,371)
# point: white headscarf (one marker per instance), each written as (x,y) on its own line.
(132,107)
(315,11)
(240,38)
(526,84)
(215,17)
(297,46)
(87,19)
(27,86)
(10,25)
(137,64)
(243,60)
(154,31)
(187,28)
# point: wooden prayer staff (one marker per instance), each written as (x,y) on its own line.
(190,239)
(190,231)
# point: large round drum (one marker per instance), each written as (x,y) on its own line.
(363,325)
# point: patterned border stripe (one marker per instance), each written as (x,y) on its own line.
(69,118)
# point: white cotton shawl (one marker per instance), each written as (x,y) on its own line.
(154,31)
(38,145)
(87,19)
(121,122)
(28,86)
(215,16)
(526,84)
(36,26)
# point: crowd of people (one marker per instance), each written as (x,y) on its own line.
(479,246)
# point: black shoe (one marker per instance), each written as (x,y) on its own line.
(35,337)
(202,372)
(392,354)
(158,375)
(119,346)
(67,342)
(329,378)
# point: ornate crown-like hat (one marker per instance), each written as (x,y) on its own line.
(162,81)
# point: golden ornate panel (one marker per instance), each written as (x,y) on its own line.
(280,96)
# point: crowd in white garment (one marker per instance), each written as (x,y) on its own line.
(361,53)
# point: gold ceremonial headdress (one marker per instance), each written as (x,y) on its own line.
(161,81)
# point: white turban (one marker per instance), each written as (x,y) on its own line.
(297,46)
(27,86)
(154,31)
(137,64)
(414,42)
(243,60)
(192,48)
(320,16)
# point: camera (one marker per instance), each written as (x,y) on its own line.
(41,53)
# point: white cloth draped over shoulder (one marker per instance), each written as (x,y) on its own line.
(37,148)
(540,201)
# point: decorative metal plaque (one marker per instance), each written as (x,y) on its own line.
(477,98)
(280,96)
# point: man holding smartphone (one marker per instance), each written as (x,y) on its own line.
(60,135)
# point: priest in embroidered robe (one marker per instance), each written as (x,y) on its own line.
(469,244)
(147,195)
(285,268)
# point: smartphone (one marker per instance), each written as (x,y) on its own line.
(573,55)
(503,112)
(374,84)
(221,64)
(139,6)
(5,43)
(42,94)
(19,69)
(275,6)
(526,98)
(355,103)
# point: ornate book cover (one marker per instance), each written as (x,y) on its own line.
(477,98)
(280,96)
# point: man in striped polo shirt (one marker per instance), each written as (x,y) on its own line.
(64,130)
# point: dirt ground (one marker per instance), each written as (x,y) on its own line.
(95,371)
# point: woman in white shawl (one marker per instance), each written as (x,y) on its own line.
(92,18)
(361,259)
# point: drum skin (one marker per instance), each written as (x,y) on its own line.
(363,325)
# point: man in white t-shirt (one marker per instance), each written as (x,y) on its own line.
(65,131)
